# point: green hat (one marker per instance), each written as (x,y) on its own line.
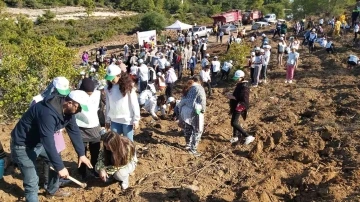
(80,97)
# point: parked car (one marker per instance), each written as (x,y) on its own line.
(228,29)
(201,31)
(259,25)
(270,18)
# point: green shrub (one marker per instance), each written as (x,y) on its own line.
(27,69)
(153,21)
(238,53)
(49,15)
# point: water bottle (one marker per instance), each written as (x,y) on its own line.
(2,168)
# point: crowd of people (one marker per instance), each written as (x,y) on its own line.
(101,115)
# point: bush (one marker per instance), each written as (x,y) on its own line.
(153,21)
(49,15)
(27,69)
(238,53)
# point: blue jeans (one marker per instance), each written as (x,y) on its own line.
(26,157)
(126,130)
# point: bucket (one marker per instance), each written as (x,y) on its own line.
(2,168)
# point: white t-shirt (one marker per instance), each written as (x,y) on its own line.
(205,46)
(227,66)
(162,62)
(216,66)
(134,69)
(266,57)
(321,21)
(353,58)
(205,76)
(143,72)
(292,57)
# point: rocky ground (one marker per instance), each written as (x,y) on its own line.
(306,147)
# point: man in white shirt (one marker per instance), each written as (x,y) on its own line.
(225,70)
(143,75)
(356,31)
(134,69)
(203,48)
(161,62)
(126,51)
(206,78)
(215,69)
(291,64)
(353,60)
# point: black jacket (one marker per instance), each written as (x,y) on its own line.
(241,93)
(38,125)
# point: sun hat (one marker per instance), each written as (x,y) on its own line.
(112,71)
(80,97)
(238,74)
(170,99)
(62,85)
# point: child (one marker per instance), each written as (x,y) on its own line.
(117,158)
(172,102)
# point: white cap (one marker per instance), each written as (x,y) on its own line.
(207,55)
(167,64)
(141,61)
(257,49)
(215,57)
(112,71)
(62,85)
(230,61)
(263,35)
(282,35)
(80,97)
(281,38)
(252,53)
(239,74)
(159,74)
(92,69)
(170,99)
(262,51)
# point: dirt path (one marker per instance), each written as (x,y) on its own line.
(69,12)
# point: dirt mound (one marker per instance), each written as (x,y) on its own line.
(306,146)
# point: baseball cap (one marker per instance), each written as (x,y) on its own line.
(141,61)
(263,35)
(257,49)
(170,99)
(112,71)
(238,74)
(252,53)
(281,38)
(159,74)
(80,97)
(207,55)
(215,57)
(62,85)
(262,50)
(230,61)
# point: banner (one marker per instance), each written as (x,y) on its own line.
(146,36)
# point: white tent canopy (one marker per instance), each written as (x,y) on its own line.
(179,26)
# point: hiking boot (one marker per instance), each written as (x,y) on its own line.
(59,193)
(249,139)
(194,153)
(234,139)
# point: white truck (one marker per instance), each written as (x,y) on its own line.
(201,31)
